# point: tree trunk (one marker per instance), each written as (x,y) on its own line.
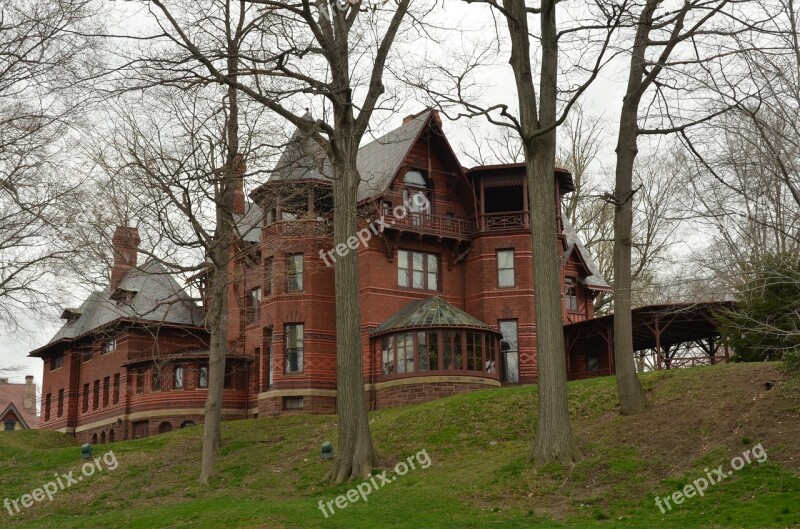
(212,423)
(356,453)
(629,389)
(223,247)
(553,440)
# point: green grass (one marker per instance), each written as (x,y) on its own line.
(480,476)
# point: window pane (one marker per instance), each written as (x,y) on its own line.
(419,260)
(433,350)
(510,354)
(294,348)
(402,268)
(387,355)
(506,278)
(405,353)
(422,351)
(202,380)
(505,268)
(419,279)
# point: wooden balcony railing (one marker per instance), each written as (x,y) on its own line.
(441,225)
(511,220)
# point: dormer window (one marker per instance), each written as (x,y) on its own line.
(417,195)
(110,346)
(71,315)
(415,178)
(121,295)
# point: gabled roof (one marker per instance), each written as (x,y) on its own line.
(429,312)
(593,279)
(22,417)
(156,297)
(378,161)
(12,396)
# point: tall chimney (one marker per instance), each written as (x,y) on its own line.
(239,167)
(126,245)
(29,400)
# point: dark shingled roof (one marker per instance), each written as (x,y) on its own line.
(595,279)
(378,161)
(429,312)
(157,297)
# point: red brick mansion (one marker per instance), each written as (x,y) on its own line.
(446,288)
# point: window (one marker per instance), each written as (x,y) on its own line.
(85,398)
(96,395)
(253,304)
(10,425)
(106,389)
(115,395)
(474,351)
(428,351)
(140,382)
(155,381)
(509,351)
(570,295)
(293,343)
(505,268)
(229,381)
(405,353)
(268,266)
(387,347)
(47,400)
(453,359)
(292,403)
(60,402)
(294,272)
(110,346)
(177,379)
(57,361)
(202,377)
(417,270)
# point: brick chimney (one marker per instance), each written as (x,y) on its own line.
(239,168)
(436,116)
(29,400)
(126,245)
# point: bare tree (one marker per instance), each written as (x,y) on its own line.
(539,113)
(317,51)
(654,62)
(40,46)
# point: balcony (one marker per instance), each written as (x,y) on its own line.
(442,226)
(507,220)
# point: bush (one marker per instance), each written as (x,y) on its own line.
(764,323)
(791,362)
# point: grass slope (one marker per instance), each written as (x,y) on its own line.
(479,475)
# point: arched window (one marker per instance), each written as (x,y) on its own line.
(111,436)
(165,427)
(102,438)
(94,438)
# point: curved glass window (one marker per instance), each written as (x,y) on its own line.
(448,350)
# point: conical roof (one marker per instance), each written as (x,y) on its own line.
(429,312)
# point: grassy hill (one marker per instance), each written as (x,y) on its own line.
(478,475)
